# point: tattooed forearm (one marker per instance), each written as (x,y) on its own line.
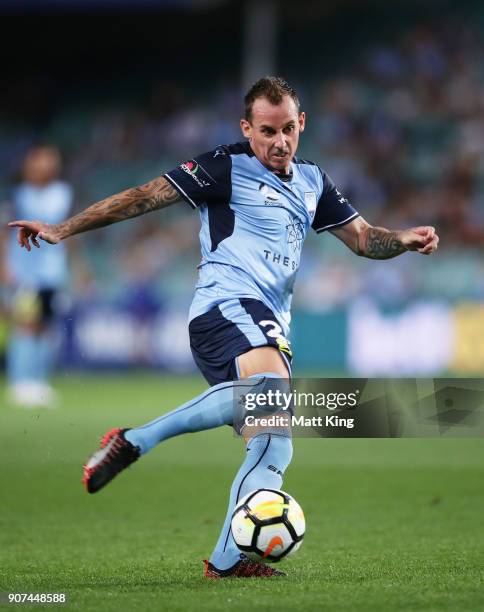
(380,243)
(130,203)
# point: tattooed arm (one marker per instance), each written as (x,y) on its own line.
(380,243)
(133,202)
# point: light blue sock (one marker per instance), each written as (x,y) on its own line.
(262,451)
(213,408)
(21,357)
(44,349)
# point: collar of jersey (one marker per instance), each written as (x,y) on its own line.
(285,178)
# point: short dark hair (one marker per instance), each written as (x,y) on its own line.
(273,89)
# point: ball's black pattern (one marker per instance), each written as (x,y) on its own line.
(259,523)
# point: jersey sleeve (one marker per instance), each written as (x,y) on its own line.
(333,209)
(205,179)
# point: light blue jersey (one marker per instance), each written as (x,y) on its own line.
(44,268)
(254,223)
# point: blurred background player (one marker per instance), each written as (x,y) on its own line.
(35,281)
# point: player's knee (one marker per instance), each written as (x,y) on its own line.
(267,408)
(270,394)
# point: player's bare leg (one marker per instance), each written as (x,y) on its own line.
(262,359)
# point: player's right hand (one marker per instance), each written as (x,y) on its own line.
(31,231)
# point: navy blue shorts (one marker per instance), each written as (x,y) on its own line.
(230,329)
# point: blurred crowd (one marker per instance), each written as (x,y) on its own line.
(400,130)
(404,132)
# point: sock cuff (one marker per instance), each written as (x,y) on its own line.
(275,436)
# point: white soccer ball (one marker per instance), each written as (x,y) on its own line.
(268,525)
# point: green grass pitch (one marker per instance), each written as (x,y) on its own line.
(391,524)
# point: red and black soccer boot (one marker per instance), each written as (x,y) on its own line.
(115,454)
(245,568)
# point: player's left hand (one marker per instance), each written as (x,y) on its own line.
(422,239)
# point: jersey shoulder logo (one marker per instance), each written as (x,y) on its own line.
(341,198)
(191,168)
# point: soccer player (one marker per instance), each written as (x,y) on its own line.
(257,202)
(35,281)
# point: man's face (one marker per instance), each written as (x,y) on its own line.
(273,132)
(41,165)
